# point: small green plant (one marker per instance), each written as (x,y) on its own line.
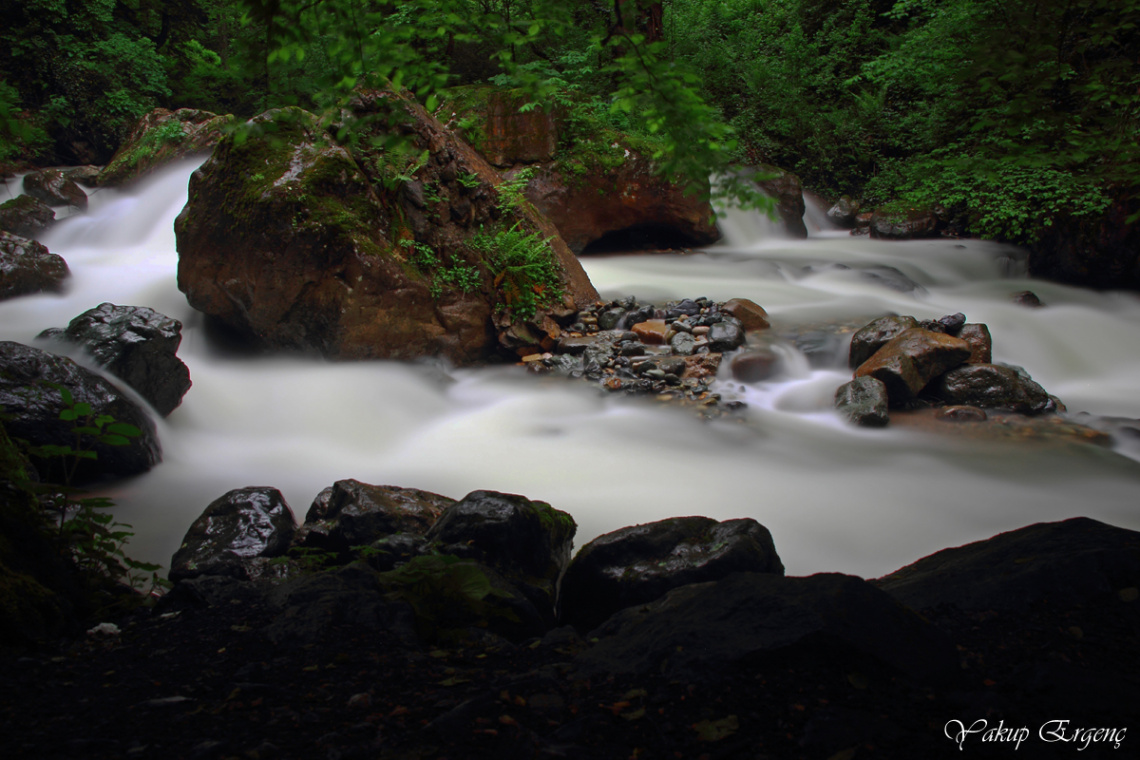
(512,192)
(524,267)
(308,559)
(453,274)
(84,528)
(469,180)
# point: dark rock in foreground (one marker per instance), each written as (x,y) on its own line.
(1070,562)
(641,563)
(701,630)
(28,377)
(138,345)
(235,533)
(864,402)
(28,267)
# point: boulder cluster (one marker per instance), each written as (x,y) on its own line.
(686,597)
(41,391)
(672,352)
(902,363)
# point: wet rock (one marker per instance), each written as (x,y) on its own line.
(864,402)
(750,314)
(683,343)
(981,344)
(528,542)
(1071,562)
(890,277)
(952,324)
(702,366)
(754,366)
(338,277)
(350,513)
(725,336)
(991,386)
(910,360)
(787,191)
(651,331)
(844,211)
(25,216)
(159,138)
(701,630)
(52,187)
(235,530)
(28,267)
(906,224)
(33,405)
(875,335)
(641,563)
(138,345)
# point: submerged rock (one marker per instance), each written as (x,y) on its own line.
(235,534)
(641,563)
(29,394)
(138,345)
(28,267)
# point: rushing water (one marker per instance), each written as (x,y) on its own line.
(836,498)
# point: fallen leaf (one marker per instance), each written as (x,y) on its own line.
(715,730)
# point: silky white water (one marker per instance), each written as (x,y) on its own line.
(835,498)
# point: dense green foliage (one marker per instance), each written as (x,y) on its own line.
(1009,112)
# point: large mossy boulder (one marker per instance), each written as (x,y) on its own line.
(29,267)
(236,535)
(641,563)
(299,242)
(138,345)
(1076,561)
(162,137)
(30,382)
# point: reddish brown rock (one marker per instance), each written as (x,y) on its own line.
(912,359)
(651,331)
(754,366)
(627,198)
(981,344)
(751,315)
(298,244)
(512,136)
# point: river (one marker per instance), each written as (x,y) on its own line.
(835,498)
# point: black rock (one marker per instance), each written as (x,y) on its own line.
(641,563)
(30,397)
(28,267)
(138,345)
(864,402)
(236,530)
(25,216)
